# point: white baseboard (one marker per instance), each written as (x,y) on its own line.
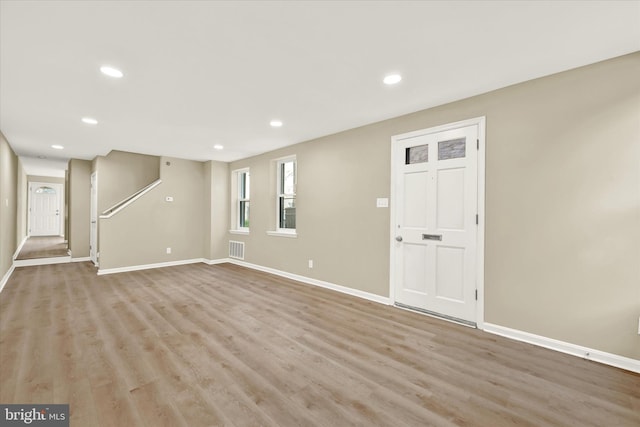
(6,277)
(102,271)
(308,280)
(216,261)
(622,362)
(629,364)
(81,259)
(15,255)
(41,261)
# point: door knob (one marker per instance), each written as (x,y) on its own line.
(399,238)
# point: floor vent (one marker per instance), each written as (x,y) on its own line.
(236,249)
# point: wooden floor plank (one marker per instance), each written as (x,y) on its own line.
(223,345)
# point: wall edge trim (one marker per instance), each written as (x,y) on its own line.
(15,254)
(6,277)
(586,353)
(308,280)
(41,261)
(102,271)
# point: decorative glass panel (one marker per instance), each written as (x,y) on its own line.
(452,149)
(45,190)
(417,154)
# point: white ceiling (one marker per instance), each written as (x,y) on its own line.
(199,73)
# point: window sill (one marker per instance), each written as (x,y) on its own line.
(243,232)
(289,234)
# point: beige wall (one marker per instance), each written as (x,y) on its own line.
(121,174)
(79,173)
(217,215)
(562,205)
(8,205)
(51,179)
(23,200)
(140,233)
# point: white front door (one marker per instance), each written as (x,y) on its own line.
(93,231)
(435,230)
(45,209)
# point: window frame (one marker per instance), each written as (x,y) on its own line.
(238,199)
(280,195)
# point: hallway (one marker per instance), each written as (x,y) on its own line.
(43,250)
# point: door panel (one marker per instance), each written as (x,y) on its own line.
(450,273)
(415,193)
(413,256)
(450,199)
(435,177)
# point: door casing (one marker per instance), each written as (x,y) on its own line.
(93,225)
(60,202)
(480,122)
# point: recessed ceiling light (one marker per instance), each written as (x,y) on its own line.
(89,121)
(275,123)
(57,147)
(111,72)
(218,147)
(392,79)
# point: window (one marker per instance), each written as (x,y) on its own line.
(241,186)
(286,195)
(45,190)
(244,185)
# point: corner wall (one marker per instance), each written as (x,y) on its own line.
(121,174)
(8,206)
(79,207)
(562,236)
(217,200)
(140,233)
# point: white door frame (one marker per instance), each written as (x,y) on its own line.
(60,192)
(477,121)
(93,219)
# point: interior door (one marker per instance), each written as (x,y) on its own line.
(44,209)
(436,195)
(93,231)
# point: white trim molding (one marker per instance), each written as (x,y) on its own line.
(102,271)
(6,277)
(126,202)
(308,280)
(81,259)
(280,233)
(17,252)
(42,261)
(621,362)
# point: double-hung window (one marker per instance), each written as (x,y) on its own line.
(286,195)
(241,206)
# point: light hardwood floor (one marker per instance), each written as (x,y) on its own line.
(200,345)
(43,247)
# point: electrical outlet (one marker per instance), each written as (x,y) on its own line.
(168,250)
(310,263)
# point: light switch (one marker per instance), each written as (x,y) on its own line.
(382,202)
(168,199)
